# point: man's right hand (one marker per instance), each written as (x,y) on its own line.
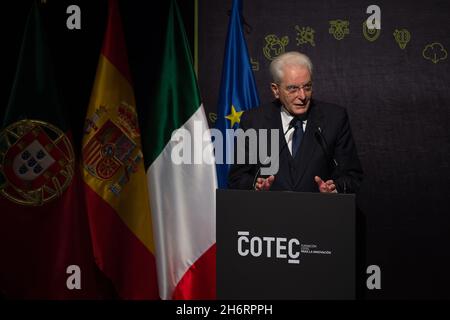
(325,186)
(264,183)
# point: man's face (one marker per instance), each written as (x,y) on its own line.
(295,89)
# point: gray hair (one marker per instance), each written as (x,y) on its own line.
(289,58)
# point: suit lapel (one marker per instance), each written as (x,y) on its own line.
(273,118)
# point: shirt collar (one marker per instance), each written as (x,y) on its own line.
(286,118)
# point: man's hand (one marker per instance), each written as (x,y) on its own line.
(325,186)
(264,184)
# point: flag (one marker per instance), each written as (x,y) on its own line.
(182,195)
(44,234)
(113,172)
(238,91)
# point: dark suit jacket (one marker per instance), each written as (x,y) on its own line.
(297,174)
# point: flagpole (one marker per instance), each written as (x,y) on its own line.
(196,37)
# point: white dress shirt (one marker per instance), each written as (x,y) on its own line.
(286,118)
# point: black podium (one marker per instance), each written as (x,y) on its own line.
(285,245)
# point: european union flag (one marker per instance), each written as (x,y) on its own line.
(237,87)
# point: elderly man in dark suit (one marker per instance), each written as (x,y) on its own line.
(316,148)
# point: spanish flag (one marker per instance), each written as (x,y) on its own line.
(114,175)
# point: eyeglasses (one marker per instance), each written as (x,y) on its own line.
(293,89)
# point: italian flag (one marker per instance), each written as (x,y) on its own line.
(182,196)
(114,175)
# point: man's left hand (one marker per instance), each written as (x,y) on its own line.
(325,186)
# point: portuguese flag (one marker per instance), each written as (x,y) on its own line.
(182,195)
(114,174)
(44,234)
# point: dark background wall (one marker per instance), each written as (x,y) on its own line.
(399,107)
(398,103)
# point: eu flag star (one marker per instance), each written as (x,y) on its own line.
(234,116)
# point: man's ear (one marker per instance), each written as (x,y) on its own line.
(275,90)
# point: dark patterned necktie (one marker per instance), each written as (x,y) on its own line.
(297,137)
